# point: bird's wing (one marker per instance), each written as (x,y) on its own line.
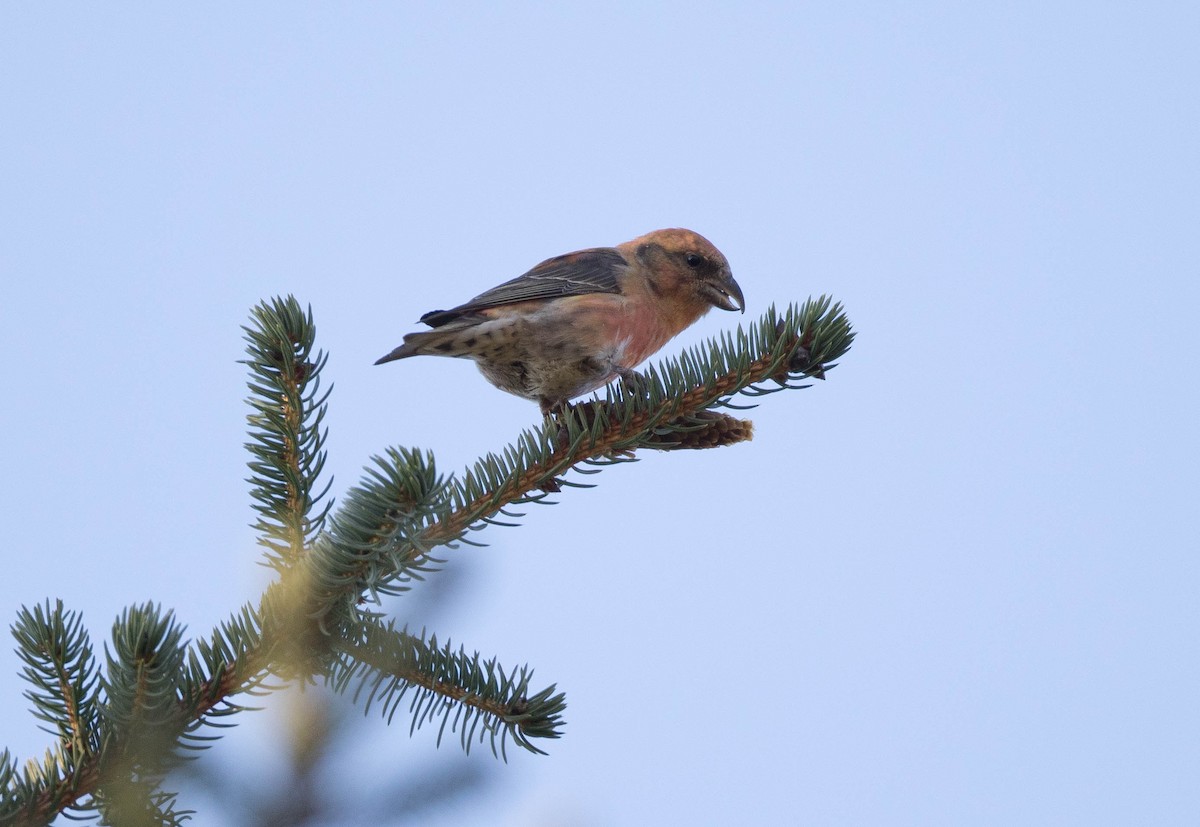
(574,274)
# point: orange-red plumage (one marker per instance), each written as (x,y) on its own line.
(577,321)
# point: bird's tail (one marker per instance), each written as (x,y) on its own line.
(452,340)
(401,352)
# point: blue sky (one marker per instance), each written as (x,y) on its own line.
(955,584)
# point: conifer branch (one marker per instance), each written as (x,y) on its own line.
(117,733)
(470,696)
(287,409)
(672,409)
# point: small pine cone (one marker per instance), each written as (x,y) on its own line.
(707,429)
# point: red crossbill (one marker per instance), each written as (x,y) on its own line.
(577,321)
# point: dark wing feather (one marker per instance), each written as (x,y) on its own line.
(574,274)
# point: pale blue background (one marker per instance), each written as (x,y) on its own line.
(955,584)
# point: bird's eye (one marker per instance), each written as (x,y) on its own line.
(693,260)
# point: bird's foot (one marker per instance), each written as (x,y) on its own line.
(634,383)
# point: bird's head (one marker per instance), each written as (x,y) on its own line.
(686,267)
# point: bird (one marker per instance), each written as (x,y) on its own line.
(577,321)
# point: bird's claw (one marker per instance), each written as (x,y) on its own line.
(634,383)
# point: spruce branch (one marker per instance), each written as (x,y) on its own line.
(117,733)
(381,537)
(130,718)
(287,409)
(670,408)
(59,664)
(141,719)
(383,534)
(470,696)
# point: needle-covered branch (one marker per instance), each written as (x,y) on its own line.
(118,731)
(286,437)
(478,699)
(670,408)
(382,536)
